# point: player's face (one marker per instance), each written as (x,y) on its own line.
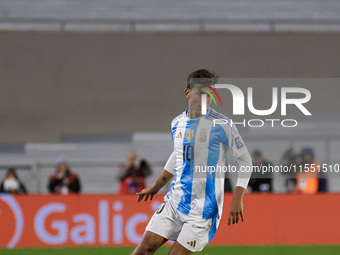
(195,99)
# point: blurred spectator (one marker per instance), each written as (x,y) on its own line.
(260,182)
(132,174)
(12,183)
(291,160)
(64,181)
(323,182)
(227,185)
(307,179)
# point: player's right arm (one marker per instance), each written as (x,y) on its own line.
(155,187)
(163,179)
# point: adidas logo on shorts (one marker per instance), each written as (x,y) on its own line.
(192,243)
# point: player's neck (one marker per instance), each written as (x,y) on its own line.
(194,114)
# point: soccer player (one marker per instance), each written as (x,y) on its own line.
(192,208)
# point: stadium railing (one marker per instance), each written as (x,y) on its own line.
(237,24)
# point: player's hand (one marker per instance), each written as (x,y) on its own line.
(235,211)
(146,192)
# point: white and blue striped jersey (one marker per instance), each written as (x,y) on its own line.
(198,146)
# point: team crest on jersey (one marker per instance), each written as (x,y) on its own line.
(202,135)
(190,134)
(179,135)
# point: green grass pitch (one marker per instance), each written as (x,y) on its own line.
(210,250)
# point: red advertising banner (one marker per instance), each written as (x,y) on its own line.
(118,220)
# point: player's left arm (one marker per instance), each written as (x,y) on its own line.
(236,206)
(243,158)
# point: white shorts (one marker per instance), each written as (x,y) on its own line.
(193,233)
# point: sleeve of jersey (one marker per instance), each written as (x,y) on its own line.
(171,163)
(245,163)
(242,156)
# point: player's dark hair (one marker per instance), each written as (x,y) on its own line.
(209,77)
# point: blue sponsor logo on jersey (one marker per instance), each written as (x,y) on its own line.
(238,142)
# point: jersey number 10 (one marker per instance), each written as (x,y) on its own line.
(188,152)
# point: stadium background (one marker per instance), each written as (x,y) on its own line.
(92,85)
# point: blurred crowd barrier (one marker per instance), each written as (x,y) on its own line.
(97,164)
